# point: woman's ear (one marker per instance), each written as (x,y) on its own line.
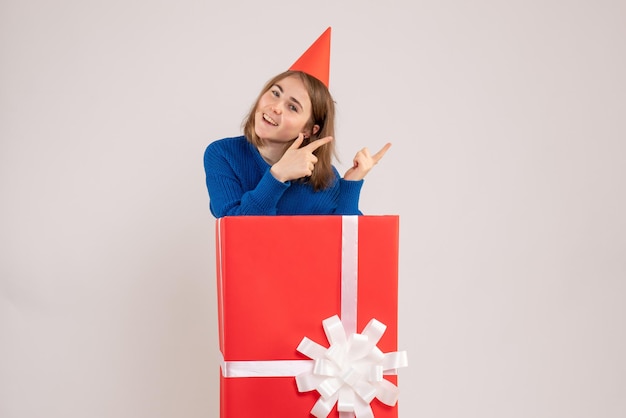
(316,129)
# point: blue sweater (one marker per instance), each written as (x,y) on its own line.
(239,182)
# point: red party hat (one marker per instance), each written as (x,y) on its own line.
(316,60)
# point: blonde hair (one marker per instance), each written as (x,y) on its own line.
(322,114)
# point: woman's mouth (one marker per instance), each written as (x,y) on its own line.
(269,120)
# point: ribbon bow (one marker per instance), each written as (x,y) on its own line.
(349,372)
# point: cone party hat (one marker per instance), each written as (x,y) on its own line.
(316,60)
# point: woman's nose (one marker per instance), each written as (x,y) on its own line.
(276,108)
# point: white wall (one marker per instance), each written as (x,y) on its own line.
(508,170)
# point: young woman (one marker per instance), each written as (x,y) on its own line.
(282,165)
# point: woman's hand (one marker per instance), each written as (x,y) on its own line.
(298,162)
(363,162)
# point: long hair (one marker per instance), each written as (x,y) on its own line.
(322,114)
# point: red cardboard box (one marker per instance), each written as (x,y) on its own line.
(278,278)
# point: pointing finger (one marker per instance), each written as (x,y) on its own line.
(316,144)
(376,157)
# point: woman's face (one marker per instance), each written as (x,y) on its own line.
(283,111)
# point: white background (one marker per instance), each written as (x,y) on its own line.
(508,171)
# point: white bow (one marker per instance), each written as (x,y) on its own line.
(349,372)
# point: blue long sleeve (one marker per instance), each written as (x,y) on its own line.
(239,182)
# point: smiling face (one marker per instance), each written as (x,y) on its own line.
(283,111)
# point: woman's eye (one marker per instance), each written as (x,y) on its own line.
(293,108)
(275,93)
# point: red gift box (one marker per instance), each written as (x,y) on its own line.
(278,278)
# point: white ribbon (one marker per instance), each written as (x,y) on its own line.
(349,271)
(263,368)
(349,372)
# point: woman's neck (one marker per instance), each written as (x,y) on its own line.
(271,152)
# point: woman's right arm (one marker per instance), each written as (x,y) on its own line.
(231,185)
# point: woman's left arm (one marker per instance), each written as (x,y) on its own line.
(363,162)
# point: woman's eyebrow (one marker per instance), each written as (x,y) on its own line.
(293,99)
